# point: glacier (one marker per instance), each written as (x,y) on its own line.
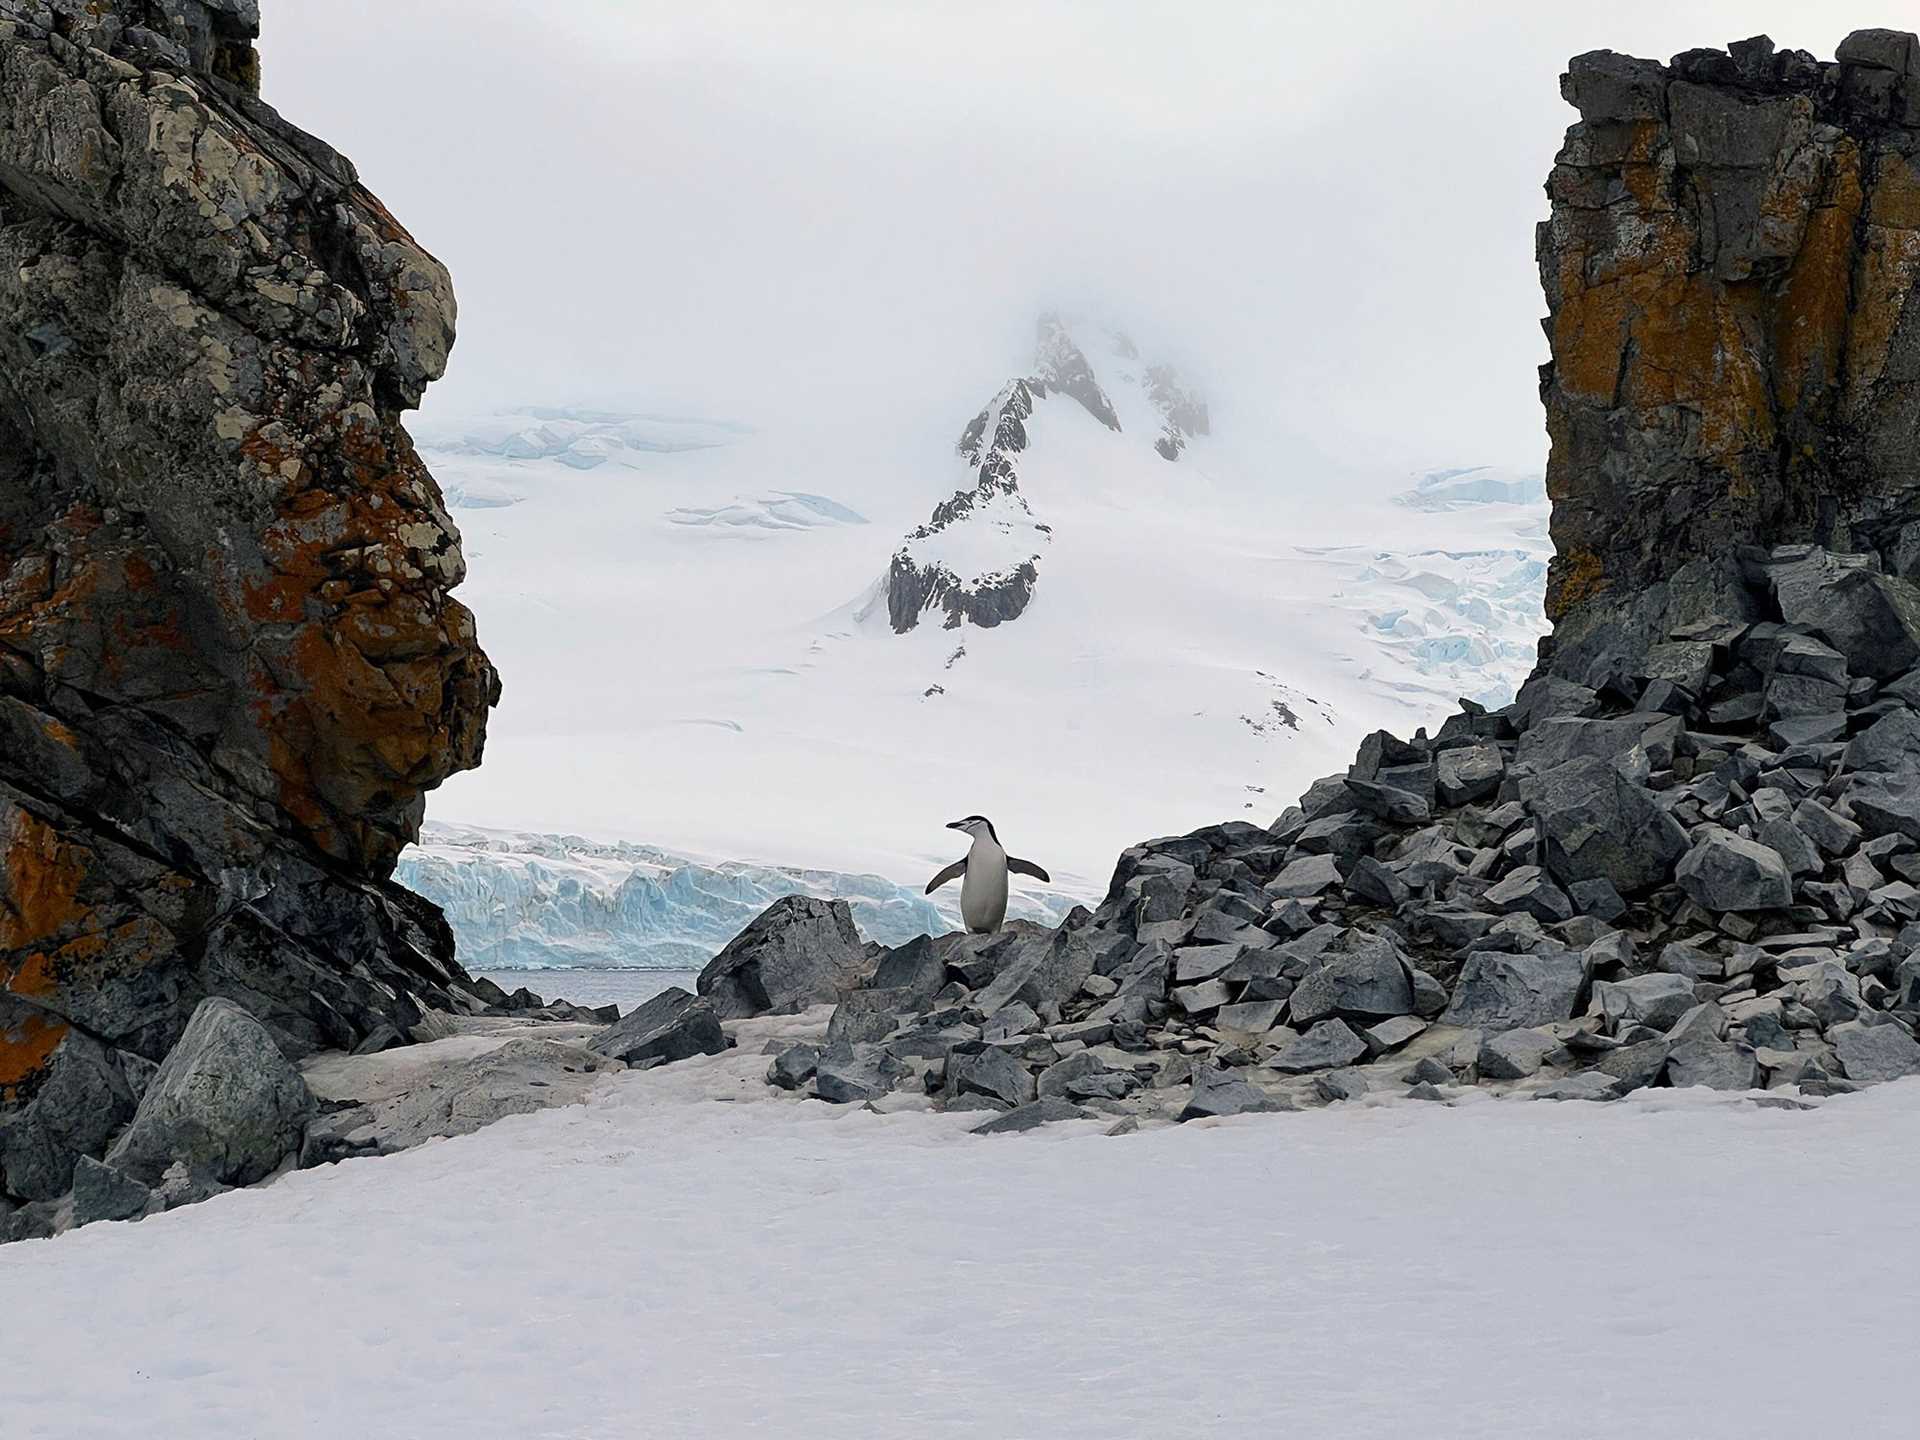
(519,901)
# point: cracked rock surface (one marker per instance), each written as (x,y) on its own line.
(230,665)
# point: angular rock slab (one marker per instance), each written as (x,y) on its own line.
(796,953)
(1497,991)
(1598,825)
(1728,873)
(673,1025)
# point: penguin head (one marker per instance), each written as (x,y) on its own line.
(976,826)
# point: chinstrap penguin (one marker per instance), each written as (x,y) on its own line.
(983,893)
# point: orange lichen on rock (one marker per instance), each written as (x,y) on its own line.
(27,1048)
(44,875)
(1731,256)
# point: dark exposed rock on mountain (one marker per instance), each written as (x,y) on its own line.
(230,668)
(992,515)
(1729,273)
(1689,852)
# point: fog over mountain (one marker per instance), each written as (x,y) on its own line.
(761,209)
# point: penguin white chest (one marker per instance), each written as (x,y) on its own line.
(983,889)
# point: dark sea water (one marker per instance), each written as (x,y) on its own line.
(625,988)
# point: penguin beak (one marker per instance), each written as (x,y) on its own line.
(955,825)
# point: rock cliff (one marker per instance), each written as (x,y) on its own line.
(230,667)
(1729,270)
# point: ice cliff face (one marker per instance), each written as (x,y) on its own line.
(977,559)
(525,901)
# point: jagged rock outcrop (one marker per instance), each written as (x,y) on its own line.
(1729,270)
(798,952)
(1689,852)
(230,667)
(991,515)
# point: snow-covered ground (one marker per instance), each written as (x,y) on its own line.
(656,1261)
(558,902)
(684,616)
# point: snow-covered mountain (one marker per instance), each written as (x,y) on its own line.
(534,902)
(977,559)
(700,656)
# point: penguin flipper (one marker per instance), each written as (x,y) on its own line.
(1027,867)
(952,872)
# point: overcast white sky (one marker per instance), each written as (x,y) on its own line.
(755,209)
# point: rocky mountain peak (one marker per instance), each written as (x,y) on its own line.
(210,38)
(923,577)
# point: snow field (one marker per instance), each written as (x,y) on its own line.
(690,1255)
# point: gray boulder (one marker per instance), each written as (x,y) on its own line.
(101,1192)
(1220,1092)
(1527,890)
(1891,743)
(1327,1046)
(854,1074)
(1374,883)
(1511,992)
(1305,877)
(225,1101)
(797,952)
(1083,1076)
(1725,872)
(1599,825)
(1886,805)
(989,1072)
(1652,1000)
(866,1016)
(1390,1035)
(1029,1116)
(1699,1053)
(1366,982)
(1048,971)
(1514,1054)
(673,1025)
(793,1066)
(1871,618)
(1872,1052)
(1826,828)
(1555,742)
(1468,773)
(75,1110)
(1793,846)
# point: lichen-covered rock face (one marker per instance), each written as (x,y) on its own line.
(230,666)
(1729,269)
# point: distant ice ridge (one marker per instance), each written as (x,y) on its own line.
(777,510)
(582,439)
(520,901)
(1475,485)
